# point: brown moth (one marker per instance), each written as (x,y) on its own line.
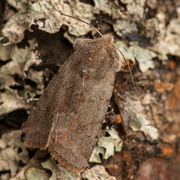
(70,112)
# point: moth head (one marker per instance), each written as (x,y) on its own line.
(79,44)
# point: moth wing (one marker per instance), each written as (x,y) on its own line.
(55,100)
(74,146)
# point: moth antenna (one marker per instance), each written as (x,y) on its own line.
(101,36)
(129,72)
(76,18)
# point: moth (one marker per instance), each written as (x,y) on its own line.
(70,112)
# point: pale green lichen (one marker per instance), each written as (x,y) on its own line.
(106,145)
(138,122)
(135,52)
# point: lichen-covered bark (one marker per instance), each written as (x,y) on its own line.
(36,40)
